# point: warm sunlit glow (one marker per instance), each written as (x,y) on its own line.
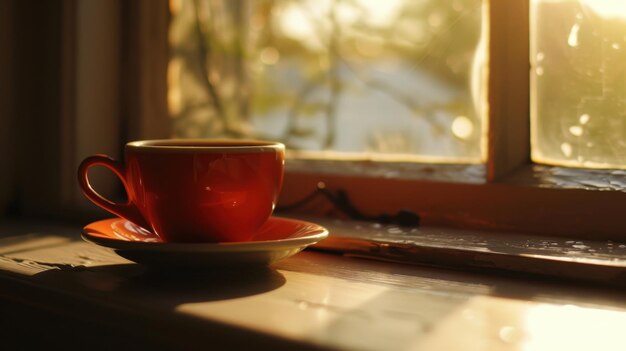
(604,8)
(364,78)
(175,6)
(607,8)
(381,12)
(573,328)
(300,20)
(294,22)
(174,93)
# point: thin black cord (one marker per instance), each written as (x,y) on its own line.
(341,201)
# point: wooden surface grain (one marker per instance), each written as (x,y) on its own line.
(312,300)
(557,258)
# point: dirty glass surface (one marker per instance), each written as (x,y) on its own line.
(578,75)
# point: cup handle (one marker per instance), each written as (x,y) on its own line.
(128,210)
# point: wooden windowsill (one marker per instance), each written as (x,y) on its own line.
(533,199)
(530,175)
(553,177)
(434,172)
(592,261)
(313,300)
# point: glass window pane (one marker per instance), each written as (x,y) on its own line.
(578,55)
(398,78)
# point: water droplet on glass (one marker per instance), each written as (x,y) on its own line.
(572,39)
(539,71)
(566,149)
(394,230)
(540,56)
(584,118)
(576,130)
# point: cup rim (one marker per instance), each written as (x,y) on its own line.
(206,145)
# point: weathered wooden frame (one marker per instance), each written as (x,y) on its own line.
(512,197)
(508,196)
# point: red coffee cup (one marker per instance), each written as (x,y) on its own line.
(194,190)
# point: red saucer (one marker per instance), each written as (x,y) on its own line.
(277,239)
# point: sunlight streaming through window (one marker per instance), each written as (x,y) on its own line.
(366,78)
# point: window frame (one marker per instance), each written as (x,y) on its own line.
(96,97)
(500,202)
(509,199)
